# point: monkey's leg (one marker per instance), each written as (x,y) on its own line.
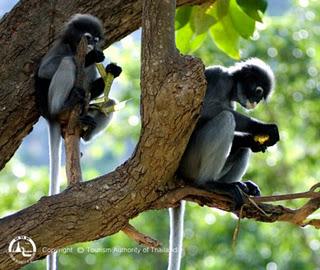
(235,168)
(208,149)
(231,174)
(213,144)
(61,85)
(215,141)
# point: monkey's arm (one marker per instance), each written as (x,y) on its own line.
(246,141)
(61,85)
(97,86)
(244,124)
(254,127)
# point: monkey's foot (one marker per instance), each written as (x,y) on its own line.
(236,190)
(88,122)
(251,188)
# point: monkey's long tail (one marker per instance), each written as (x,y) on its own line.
(176,236)
(55,163)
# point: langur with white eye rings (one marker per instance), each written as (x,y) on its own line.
(217,154)
(56,92)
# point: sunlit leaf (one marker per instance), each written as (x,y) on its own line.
(187,41)
(226,37)
(219,9)
(200,22)
(243,24)
(183,37)
(196,42)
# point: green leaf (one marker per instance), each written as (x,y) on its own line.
(187,41)
(183,37)
(182,16)
(254,14)
(219,9)
(254,8)
(254,4)
(200,22)
(242,23)
(197,41)
(226,37)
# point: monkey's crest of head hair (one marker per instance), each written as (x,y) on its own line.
(258,70)
(80,24)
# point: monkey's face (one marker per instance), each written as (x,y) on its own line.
(93,42)
(249,93)
(253,85)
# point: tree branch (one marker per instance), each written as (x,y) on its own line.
(130,231)
(253,208)
(73,129)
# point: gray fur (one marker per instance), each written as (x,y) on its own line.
(200,160)
(61,85)
(55,155)
(54,188)
(176,236)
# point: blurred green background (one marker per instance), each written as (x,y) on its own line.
(289,41)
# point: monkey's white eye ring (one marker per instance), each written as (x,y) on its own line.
(88,36)
(259,90)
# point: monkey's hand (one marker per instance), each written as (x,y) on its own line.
(94,56)
(247,141)
(256,146)
(271,130)
(114,69)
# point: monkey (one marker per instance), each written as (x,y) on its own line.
(217,154)
(56,92)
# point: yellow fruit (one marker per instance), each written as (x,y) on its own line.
(261,138)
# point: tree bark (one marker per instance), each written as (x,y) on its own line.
(25,37)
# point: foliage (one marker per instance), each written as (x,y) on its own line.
(290,44)
(224,20)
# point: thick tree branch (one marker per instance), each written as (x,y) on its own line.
(252,209)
